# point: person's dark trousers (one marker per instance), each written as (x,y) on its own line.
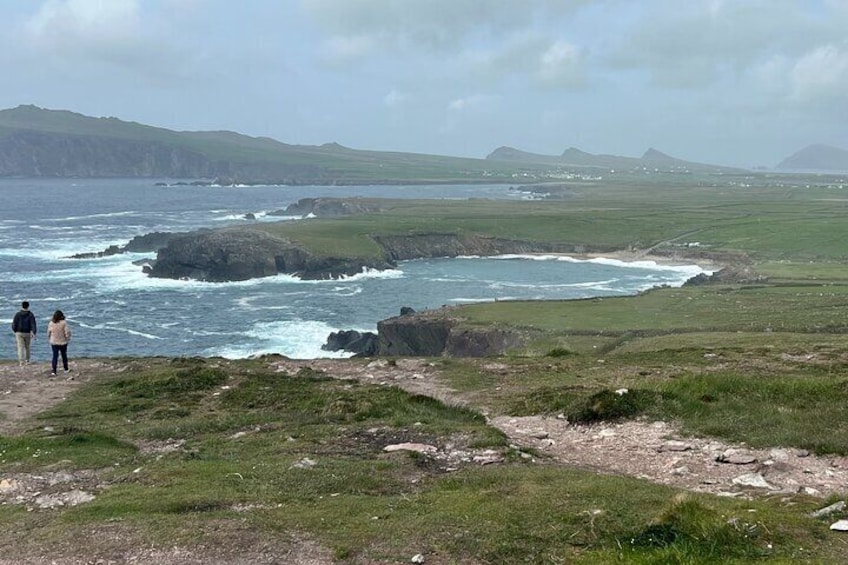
(57,349)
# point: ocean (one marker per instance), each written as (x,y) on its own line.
(115,309)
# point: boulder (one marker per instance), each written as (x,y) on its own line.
(359,343)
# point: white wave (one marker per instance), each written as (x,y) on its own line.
(643,264)
(298,339)
(592,284)
(120,329)
(368,273)
(90,216)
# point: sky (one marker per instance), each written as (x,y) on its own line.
(732,82)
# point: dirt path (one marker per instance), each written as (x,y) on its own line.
(654,451)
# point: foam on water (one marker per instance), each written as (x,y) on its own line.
(690,270)
(298,339)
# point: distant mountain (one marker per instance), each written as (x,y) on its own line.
(36,142)
(817,157)
(652,159)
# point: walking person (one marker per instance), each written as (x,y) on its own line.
(24,328)
(59,334)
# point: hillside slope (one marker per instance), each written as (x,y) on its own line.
(36,142)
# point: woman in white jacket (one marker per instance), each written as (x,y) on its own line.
(59,334)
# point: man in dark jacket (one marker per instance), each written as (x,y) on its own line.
(24,328)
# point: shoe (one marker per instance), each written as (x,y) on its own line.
(67,371)
(52,374)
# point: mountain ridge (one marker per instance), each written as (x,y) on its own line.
(817,157)
(650,159)
(38,142)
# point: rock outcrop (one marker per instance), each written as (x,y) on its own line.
(430,245)
(359,343)
(147,243)
(327,207)
(436,333)
(235,254)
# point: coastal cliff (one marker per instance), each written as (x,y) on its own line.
(437,333)
(236,254)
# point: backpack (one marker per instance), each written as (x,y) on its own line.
(25,322)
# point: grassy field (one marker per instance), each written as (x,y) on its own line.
(292,456)
(786,227)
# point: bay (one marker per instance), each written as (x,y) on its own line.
(115,309)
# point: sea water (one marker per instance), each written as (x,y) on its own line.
(115,309)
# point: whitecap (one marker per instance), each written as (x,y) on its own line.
(297,339)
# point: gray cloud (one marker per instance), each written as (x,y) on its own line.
(691,45)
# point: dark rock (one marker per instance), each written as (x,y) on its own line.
(250,216)
(697,280)
(352,341)
(235,254)
(432,334)
(413,335)
(735,274)
(418,246)
(139,244)
(227,255)
(111,250)
(406,310)
(151,242)
(327,208)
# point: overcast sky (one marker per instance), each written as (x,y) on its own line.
(738,82)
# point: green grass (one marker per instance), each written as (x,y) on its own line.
(247,431)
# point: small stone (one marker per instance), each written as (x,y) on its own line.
(305,463)
(621,391)
(8,485)
(754,480)
(417,558)
(488,458)
(777,454)
(840,526)
(737,457)
(675,445)
(828,510)
(540,435)
(418,447)
(802,453)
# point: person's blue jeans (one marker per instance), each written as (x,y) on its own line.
(57,349)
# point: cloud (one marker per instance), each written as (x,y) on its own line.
(474,102)
(78,24)
(81,36)
(694,44)
(821,74)
(561,64)
(435,25)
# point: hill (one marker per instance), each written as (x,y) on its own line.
(817,157)
(36,142)
(651,160)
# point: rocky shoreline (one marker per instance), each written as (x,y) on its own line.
(242,253)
